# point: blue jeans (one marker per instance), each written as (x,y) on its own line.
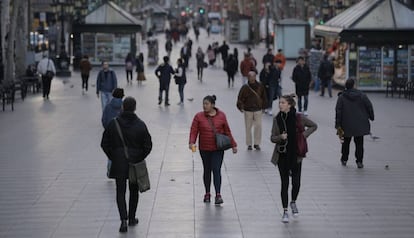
(326,83)
(305,105)
(271,94)
(105,98)
(212,161)
(317,84)
(181,91)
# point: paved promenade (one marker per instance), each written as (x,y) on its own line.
(53,182)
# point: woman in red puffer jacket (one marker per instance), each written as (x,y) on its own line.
(211,156)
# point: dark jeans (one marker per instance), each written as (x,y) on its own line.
(285,169)
(212,161)
(181,91)
(166,94)
(46,83)
(200,72)
(271,94)
(120,199)
(230,78)
(305,105)
(129,75)
(326,83)
(359,148)
(85,79)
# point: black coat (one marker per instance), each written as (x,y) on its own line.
(302,78)
(137,139)
(164,72)
(353,112)
(231,67)
(326,70)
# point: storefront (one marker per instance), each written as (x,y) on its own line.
(109,34)
(372,41)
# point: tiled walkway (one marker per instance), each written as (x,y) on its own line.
(53,183)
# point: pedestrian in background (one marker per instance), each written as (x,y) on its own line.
(252,101)
(281,57)
(302,77)
(231,70)
(325,73)
(200,63)
(140,69)
(180,79)
(202,128)
(268,57)
(129,66)
(137,138)
(236,56)
(168,47)
(106,82)
(163,73)
(46,68)
(353,112)
(284,131)
(224,51)
(211,55)
(246,66)
(85,68)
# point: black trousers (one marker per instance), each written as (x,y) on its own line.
(359,148)
(212,161)
(286,169)
(120,199)
(129,75)
(46,83)
(85,79)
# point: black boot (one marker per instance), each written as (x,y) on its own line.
(132,221)
(124,226)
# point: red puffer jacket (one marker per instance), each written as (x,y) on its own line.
(202,128)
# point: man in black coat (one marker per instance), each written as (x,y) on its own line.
(302,77)
(268,57)
(325,72)
(353,112)
(163,73)
(138,141)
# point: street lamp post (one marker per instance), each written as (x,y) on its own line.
(63,8)
(267,25)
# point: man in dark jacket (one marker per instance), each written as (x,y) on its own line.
(138,141)
(106,82)
(224,51)
(325,73)
(252,101)
(163,73)
(353,112)
(302,77)
(268,57)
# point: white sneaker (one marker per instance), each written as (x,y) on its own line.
(295,211)
(285,217)
(305,113)
(270,113)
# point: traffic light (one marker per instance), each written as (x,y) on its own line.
(201,10)
(321,22)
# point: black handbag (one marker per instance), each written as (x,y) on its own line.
(138,172)
(49,74)
(223,142)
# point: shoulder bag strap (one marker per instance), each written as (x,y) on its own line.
(118,128)
(255,93)
(211,124)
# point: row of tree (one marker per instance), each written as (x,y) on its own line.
(14,38)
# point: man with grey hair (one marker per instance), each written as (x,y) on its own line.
(252,101)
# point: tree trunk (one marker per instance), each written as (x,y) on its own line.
(9,67)
(22,42)
(5,20)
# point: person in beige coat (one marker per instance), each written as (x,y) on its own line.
(284,133)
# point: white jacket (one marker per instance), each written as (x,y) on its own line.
(44,65)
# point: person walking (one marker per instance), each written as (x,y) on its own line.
(200,63)
(46,68)
(137,138)
(211,55)
(246,66)
(129,66)
(106,82)
(163,73)
(180,79)
(168,47)
(85,68)
(302,77)
(286,125)
(212,158)
(224,51)
(325,73)
(280,57)
(268,57)
(353,112)
(231,69)
(140,69)
(252,101)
